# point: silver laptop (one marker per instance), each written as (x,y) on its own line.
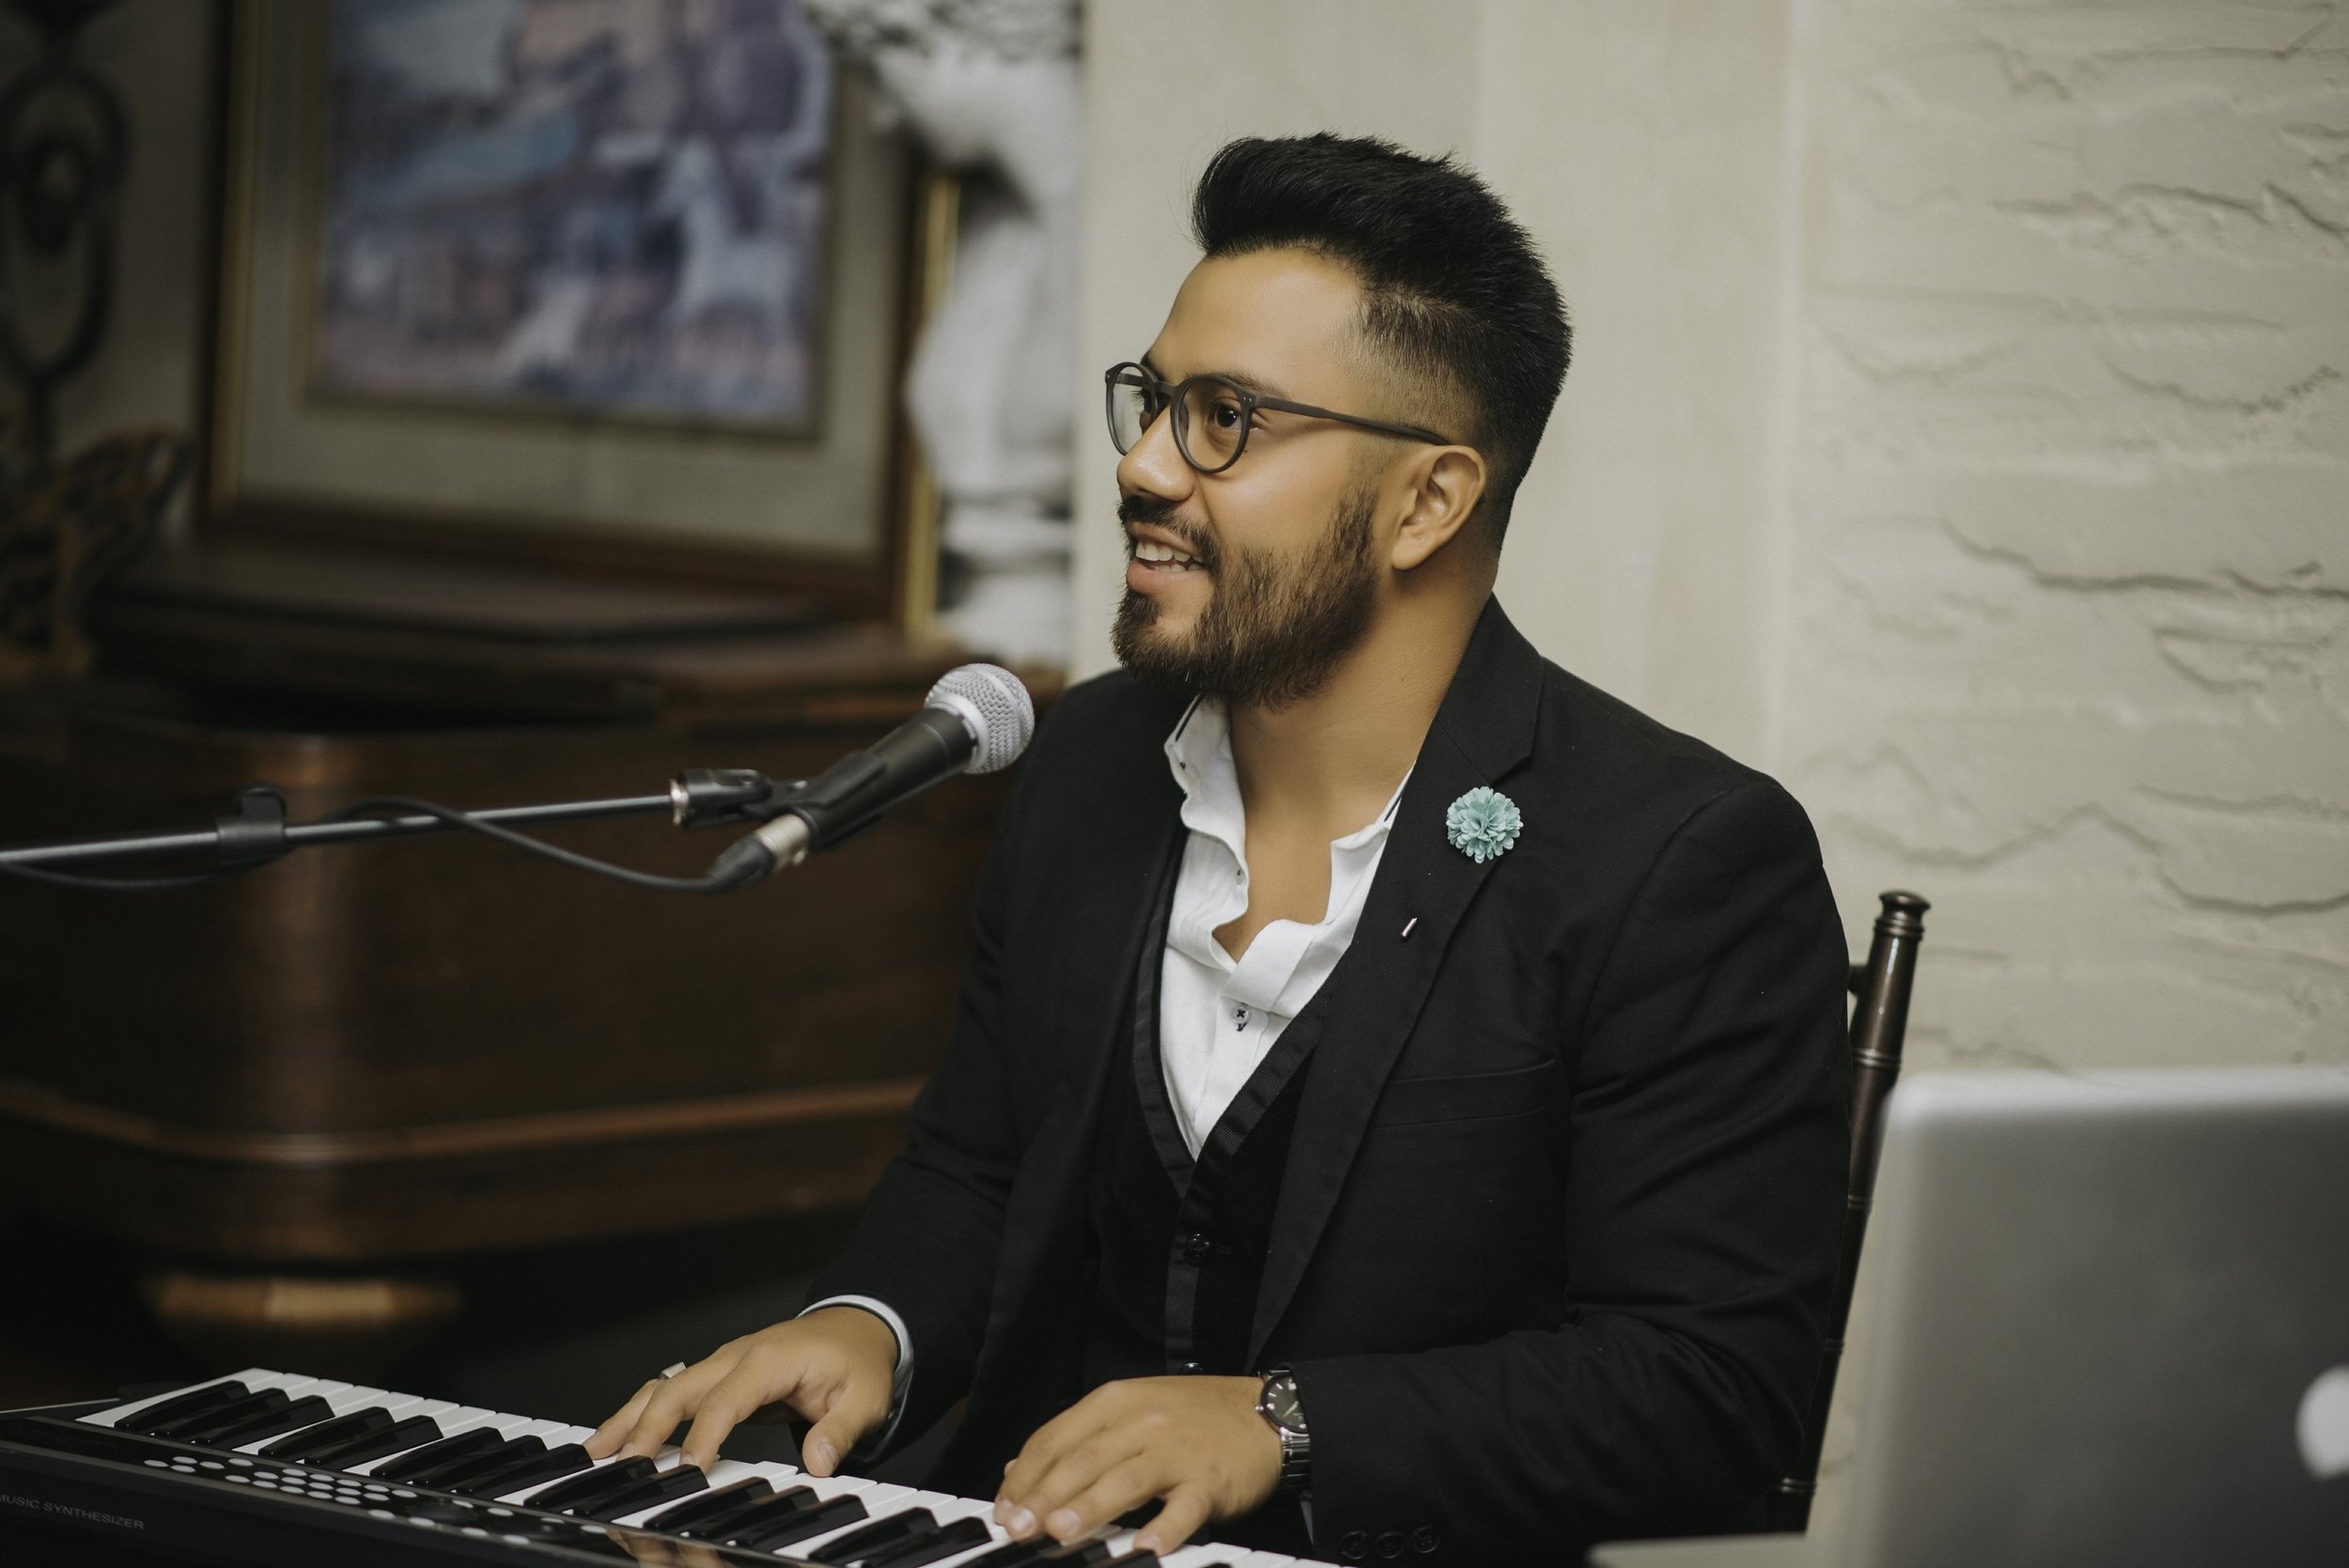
(2112,1327)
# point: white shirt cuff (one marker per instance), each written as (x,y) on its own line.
(900,1381)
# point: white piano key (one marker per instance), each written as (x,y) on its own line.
(880,1499)
(254,1378)
(726,1472)
(949,1507)
(783,1475)
(1203,1555)
(357,1397)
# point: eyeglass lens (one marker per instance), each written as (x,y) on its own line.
(1211,427)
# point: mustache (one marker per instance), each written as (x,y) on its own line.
(1159,513)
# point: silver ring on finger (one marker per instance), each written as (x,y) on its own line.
(670,1371)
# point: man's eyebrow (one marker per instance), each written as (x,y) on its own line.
(1238,377)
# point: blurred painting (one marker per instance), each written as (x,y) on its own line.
(603,207)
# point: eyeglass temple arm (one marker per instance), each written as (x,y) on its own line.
(1412,431)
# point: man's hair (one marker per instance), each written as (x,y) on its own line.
(1455,295)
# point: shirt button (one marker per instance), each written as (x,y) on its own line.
(1194,1249)
(1190,1369)
(1424,1539)
(1240,1017)
(1354,1546)
(1389,1544)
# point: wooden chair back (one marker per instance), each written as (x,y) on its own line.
(1879,1022)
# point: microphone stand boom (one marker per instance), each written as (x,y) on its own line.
(257,833)
(978,718)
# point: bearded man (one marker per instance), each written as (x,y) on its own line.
(1397,1106)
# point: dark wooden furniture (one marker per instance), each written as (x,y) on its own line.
(1879,1023)
(295,1088)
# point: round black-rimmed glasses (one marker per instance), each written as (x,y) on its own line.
(1212,415)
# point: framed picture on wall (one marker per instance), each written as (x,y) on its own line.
(617,284)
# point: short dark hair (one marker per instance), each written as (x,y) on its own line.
(1456,292)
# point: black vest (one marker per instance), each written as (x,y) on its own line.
(1178,1244)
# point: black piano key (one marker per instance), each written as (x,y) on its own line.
(180,1408)
(725,1502)
(679,1480)
(555,1463)
(592,1486)
(509,1451)
(413,1433)
(192,1429)
(754,1516)
(764,1532)
(307,1411)
(1133,1560)
(326,1434)
(948,1540)
(432,1456)
(887,1532)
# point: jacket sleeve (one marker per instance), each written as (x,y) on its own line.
(1707,1145)
(927,1241)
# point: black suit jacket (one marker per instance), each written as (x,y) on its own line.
(1553,1242)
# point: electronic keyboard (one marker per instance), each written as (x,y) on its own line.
(271,1468)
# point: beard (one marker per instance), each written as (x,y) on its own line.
(1274,627)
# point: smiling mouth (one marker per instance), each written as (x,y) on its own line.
(1165,557)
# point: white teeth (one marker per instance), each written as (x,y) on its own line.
(1150,550)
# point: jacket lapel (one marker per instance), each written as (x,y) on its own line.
(1483,732)
(1106,914)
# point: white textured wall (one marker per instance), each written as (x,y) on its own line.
(2071,483)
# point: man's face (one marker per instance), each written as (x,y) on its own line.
(1278,574)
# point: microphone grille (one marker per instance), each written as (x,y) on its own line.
(994,707)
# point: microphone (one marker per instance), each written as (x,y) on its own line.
(978,718)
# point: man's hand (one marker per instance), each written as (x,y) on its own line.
(834,1367)
(1195,1443)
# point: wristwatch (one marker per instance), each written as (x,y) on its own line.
(1279,1405)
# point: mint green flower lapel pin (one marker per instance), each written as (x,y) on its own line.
(1482,824)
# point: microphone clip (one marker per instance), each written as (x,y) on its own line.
(717,796)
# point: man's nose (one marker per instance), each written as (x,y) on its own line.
(1155,465)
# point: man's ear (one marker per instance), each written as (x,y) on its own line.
(1445,484)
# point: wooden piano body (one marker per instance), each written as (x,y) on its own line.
(359,1057)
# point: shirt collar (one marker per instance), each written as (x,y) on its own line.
(1199,754)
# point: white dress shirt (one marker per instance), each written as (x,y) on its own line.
(1218,1015)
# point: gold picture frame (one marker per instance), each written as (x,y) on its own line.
(841,514)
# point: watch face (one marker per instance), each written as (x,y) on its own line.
(1281,1405)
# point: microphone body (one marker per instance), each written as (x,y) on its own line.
(975,719)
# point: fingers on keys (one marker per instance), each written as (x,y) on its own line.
(859,1405)
(755,1380)
(1186,1509)
(644,1424)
